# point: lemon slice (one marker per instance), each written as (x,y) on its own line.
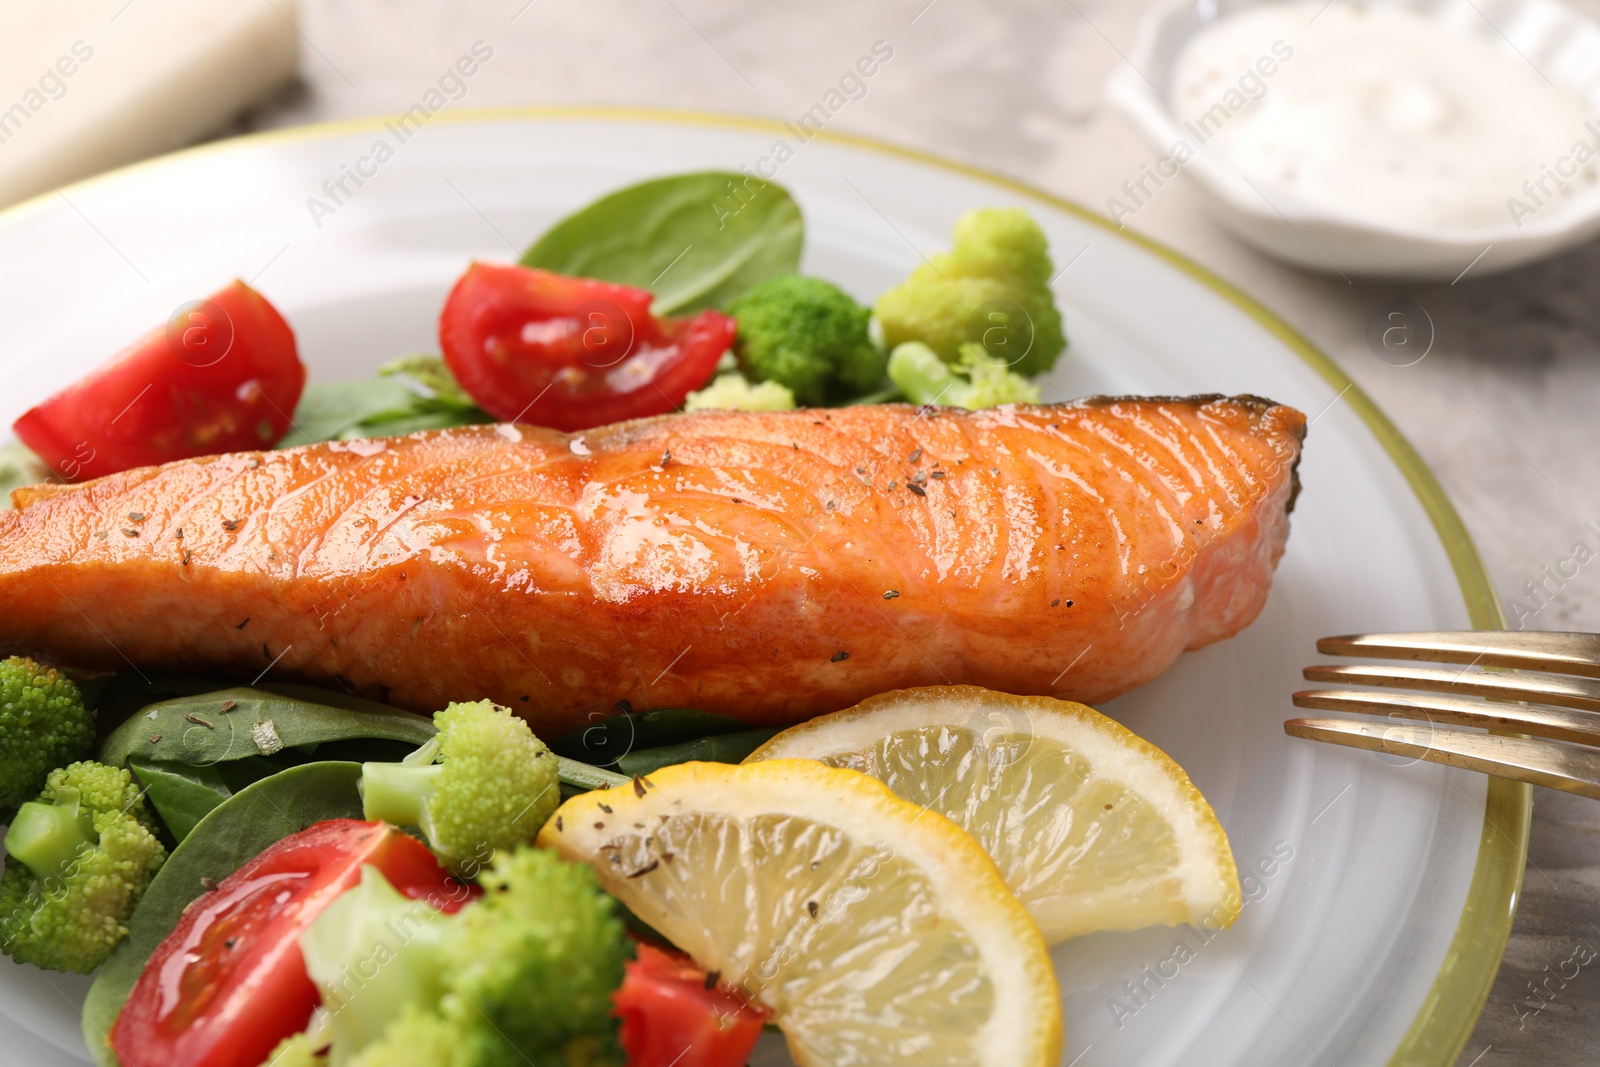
(1092,827)
(875,931)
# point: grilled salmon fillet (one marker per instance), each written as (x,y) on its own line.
(769,566)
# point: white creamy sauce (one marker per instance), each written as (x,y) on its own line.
(1379,113)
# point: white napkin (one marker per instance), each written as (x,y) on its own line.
(90,84)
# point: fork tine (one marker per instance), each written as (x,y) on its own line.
(1562,692)
(1547,763)
(1582,727)
(1562,653)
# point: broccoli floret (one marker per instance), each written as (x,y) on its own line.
(544,928)
(522,975)
(483,783)
(296,1051)
(420,1037)
(370,952)
(736,393)
(78,860)
(976,381)
(807,335)
(992,287)
(43,725)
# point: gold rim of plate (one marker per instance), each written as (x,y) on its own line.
(1451,1009)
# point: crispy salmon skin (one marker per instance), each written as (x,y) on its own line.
(769,566)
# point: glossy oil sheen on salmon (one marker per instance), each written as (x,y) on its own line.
(769,566)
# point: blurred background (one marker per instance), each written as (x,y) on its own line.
(1502,406)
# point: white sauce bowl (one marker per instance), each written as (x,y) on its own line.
(1564,45)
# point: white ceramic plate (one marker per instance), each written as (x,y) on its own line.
(1358,872)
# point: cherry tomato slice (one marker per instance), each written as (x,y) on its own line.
(572,353)
(222,376)
(229,983)
(673,1013)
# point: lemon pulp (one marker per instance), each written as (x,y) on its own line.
(875,931)
(1092,827)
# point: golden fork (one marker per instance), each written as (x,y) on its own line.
(1557,715)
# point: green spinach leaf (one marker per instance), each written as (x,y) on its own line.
(19,467)
(611,738)
(427,420)
(695,240)
(581,777)
(182,795)
(244,722)
(433,381)
(115,699)
(237,830)
(723,748)
(328,409)
(410,393)
(333,698)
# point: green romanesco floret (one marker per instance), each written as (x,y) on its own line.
(77,860)
(992,287)
(809,336)
(483,783)
(522,975)
(976,380)
(43,725)
(734,392)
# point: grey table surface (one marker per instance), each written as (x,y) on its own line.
(1504,407)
